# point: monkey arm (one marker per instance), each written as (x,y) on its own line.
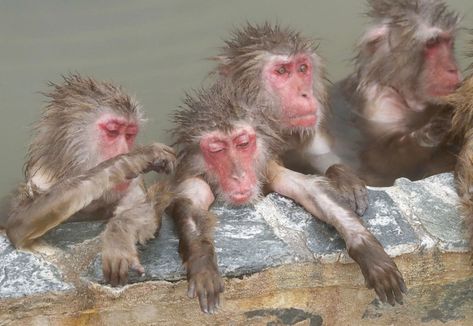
(317,196)
(69,196)
(195,225)
(134,221)
(351,188)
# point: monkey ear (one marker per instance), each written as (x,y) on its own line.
(374,37)
(223,62)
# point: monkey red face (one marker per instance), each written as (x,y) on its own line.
(231,158)
(291,80)
(116,136)
(441,72)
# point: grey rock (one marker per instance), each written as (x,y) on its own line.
(23,273)
(432,203)
(68,235)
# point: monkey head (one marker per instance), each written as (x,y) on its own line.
(84,123)
(276,68)
(219,141)
(410,47)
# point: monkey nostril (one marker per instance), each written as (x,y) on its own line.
(304,95)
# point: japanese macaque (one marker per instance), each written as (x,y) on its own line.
(226,153)
(82,162)
(388,115)
(462,132)
(278,69)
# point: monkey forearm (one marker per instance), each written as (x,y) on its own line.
(195,228)
(66,198)
(317,196)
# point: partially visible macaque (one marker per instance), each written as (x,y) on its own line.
(228,154)
(278,69)
(387,115)
(462,131)
(82,162)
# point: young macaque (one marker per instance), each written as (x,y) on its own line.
(387,117)
(82,162)
(462,132)
(279,69)
(226,153)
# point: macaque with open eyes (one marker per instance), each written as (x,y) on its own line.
(278,69)
(227,153)
(82,162)
(389,114)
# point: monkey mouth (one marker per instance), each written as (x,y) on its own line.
(241,197)
(305,120)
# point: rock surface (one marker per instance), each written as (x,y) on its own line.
(281,267)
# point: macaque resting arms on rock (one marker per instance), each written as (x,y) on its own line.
(278,73)
(82,161)
(227,153)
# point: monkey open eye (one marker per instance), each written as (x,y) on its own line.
(303,68)
(281,70)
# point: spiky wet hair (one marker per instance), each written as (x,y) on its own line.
(244,54)
(401,28)
(211,109)
(60,145)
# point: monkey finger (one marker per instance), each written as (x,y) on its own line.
(163,165)
(402,284)
(191,289)
(381,294)
(390,296)
(212,301)
(123,272)
(106,270)
(115,267)
(137,267)
(397,293)
(203,300)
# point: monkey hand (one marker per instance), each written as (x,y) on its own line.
(205,282)
(157,157)
(434,132)
(117,260)
(351,188)
(162,158)
(379,270)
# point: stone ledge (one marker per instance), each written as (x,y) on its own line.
(279,263)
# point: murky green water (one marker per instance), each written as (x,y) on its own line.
(156,49)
